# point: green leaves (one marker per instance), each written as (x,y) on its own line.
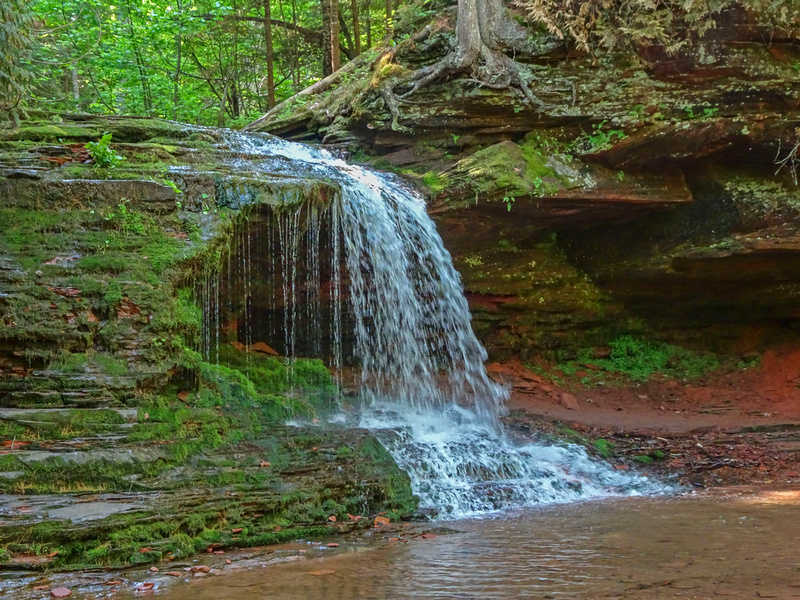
(16,23)
(102,154)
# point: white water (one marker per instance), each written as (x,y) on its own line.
(424,388)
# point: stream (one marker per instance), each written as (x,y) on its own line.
(741,545)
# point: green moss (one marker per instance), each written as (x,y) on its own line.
(604,448)
(52,132)
(55,475)
(435,182)
(508,170)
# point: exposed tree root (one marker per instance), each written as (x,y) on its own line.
(487,68)
(484,33)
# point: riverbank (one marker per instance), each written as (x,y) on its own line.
(733,542)
(730,427)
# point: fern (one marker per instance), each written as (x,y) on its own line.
(606,24)
(16,39)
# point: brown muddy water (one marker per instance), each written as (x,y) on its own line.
(736,545)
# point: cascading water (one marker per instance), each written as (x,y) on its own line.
(424,387)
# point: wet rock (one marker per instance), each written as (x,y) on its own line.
(148,195)
(568,401)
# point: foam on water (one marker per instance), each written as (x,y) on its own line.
(424,388)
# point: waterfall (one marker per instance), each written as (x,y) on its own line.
(424,389)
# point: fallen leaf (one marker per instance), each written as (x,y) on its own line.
(173,573)
(113,582)
(61,592)
(227,561)
(237,530)
(145,585)
(145,550)
(322,572)
(332,545)
(40,588)
(154,569)
(264,463)
(200,569)
(52,554)
(428,536)
(332,519)
(381,521)
(13,443)
(219,551)
(264,348)
(183,396)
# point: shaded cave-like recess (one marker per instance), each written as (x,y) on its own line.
(279,286)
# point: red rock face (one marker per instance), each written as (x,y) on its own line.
(642,198)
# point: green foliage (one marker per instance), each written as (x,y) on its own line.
(638,360)
(506,246)
(693,112)
(599,138)
(509,201)
(200,62)
(113,295)
(607,24)
(102,154)
(604,448)
(16,40)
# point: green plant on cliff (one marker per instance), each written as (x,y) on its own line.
(102,154)
(599,138)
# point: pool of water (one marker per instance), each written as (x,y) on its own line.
(740,545)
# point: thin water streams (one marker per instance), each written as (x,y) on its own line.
(423,386)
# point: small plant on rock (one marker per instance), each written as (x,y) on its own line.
(102,154)
(599,138)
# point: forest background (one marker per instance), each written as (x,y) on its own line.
(226,62)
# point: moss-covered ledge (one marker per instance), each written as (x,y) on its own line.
(120,444)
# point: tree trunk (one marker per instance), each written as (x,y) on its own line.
(389,19)
(76,88)
(468,29)
(349,47)
(484,30)
(356,26)
(368,22)
(330,27)
(176,78)
(270,61)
